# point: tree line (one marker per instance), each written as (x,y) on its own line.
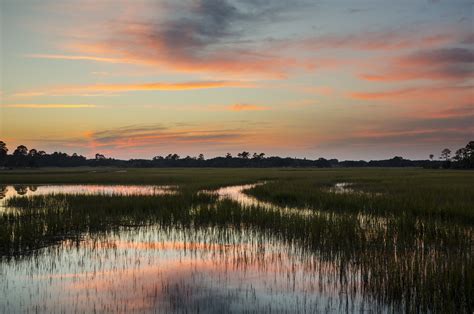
(23,157)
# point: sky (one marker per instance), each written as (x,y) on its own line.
(334,79)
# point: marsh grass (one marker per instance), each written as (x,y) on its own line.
(411,265)
(448,196)
(412,250)
(46,219)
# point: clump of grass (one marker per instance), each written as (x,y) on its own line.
(46,219)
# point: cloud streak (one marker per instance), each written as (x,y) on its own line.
(48,106)
(434,64)
(462,93)
(153,86)
(158,135)
(247,107)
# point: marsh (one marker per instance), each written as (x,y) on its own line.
(228,240)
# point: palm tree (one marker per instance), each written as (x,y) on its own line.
(244,155)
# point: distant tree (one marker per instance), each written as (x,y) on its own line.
(460,154)
(158,158)
(41,153)
(470,154)
(19,158)
(470,149)
(258,156)
(99,156)
(244,155)
(21,151)
(431,156)
(464,157)
(201,157)
(3,153)
(446,154)
(32,153)
(228,155)
(172,157)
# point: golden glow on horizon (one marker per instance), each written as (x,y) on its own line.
(305,86)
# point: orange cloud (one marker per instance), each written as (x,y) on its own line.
(144,49)
(79,57)
(152,135)
(247,107)
(155,86)
(459,94)
(49,106)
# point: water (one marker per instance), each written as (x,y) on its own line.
(153,269)
(9,191)
(342,188)
(175,268)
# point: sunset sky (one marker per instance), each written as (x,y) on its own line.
(334,79)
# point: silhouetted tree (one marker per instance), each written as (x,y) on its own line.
(446,154)
(258,156)
(460,154)
(19,156)
(172,157)
(244,155)
(3,153)
(21,151)
(32,153)
(431,156)
(464,156)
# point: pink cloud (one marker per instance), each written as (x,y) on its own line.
(435,64)
(247,107)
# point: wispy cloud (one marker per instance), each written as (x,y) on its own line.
(48,106)
(435,64)
(442,129)
(388,40)
(247,107)
(203,36)
(118,88)
(439,93)
(81,57)
(151,136)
